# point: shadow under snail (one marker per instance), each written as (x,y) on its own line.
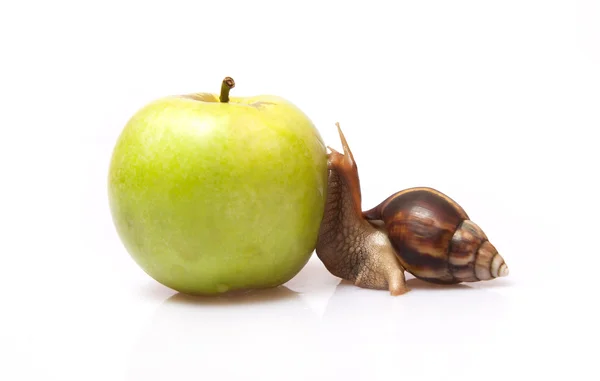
(419,230)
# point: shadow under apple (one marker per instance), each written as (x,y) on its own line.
(255,296)
(254,334)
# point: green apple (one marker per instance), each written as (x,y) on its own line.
(211,194)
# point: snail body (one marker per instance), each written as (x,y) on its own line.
(418,230)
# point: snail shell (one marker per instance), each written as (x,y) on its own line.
(435,240)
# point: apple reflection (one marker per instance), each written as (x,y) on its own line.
(263,332)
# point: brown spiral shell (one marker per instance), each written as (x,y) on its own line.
(434,238)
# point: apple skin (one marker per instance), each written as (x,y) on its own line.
(210,197)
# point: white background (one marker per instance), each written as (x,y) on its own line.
(493,103)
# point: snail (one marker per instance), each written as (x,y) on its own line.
(419,230)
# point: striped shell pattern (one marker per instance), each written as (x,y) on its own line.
(435,240)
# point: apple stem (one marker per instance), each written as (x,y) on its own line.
(227,85)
